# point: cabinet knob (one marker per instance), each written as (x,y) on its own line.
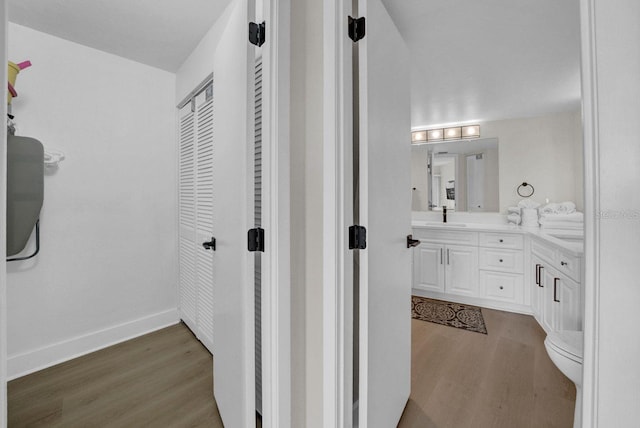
(501,287)
(500,260)
(501,240)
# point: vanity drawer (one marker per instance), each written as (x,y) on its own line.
(569,265)
(501,260)
(505,287)
(545,251)
(502,240)
(454,237)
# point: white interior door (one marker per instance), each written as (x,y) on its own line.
(385,210)
(475,182)
(233,292)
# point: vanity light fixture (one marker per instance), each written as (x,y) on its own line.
(418,137)
(440,134)
(471,131)
(453,133)
(435,135)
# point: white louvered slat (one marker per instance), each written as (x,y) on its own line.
(258,223)
(186,199)
(204,219)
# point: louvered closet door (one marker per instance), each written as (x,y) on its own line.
(196,217)
(188,292)
(257,207)
(204,216)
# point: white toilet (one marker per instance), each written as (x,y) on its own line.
(565,349)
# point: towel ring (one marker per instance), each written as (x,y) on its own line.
(525,184)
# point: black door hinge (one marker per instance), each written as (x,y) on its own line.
(357,28)
(255,239)
(357,237)
(257,33)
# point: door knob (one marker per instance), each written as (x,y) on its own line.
(210,245)
(412,242)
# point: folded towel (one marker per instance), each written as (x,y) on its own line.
(563,225)
(514,218)
(513,210)
(576,217)
(529,217)
(554,208)
(528,203)
(567,208)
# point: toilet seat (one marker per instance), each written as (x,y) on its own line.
(567,343)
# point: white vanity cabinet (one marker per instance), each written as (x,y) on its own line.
(461,270)
(556,293)
(428,267)
(502,267)
(442,265)
(474,267)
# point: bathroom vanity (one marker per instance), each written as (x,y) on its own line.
(505,267)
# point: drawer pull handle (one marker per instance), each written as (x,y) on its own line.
(502,240)
(564,263)
(555,290)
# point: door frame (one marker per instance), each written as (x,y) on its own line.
(3,223)
(276,265)
(337,265)
(337,280)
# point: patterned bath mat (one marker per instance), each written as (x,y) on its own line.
(452,314)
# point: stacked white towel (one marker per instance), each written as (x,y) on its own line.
(574,220)
(513,215)
(561,208)
(530,217)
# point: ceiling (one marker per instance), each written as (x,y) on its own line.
(475,61)
(472,60)
(160,33)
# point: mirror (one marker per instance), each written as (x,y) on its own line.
(462,175)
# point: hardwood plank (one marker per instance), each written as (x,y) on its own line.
(502,379)
(160,379)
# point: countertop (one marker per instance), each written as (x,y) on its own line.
(566,239)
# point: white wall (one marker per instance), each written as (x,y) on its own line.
(545,151)
(306,205)
(3,210)
(107,265)
(306,211)
(613,244)
(199,64)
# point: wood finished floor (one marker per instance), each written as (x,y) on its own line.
(162,379)
(504,379)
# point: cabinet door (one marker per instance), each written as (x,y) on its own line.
(537,287)
(550,308)
(568,293)
(428,267)
(461,272)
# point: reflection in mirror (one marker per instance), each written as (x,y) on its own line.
(463,175)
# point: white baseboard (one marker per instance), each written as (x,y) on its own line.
(56,353)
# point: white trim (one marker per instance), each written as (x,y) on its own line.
(3,222)
(56,353)
(590,382)
(276,278)
(337,210)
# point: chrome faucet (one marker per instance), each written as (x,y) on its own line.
(444,213)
